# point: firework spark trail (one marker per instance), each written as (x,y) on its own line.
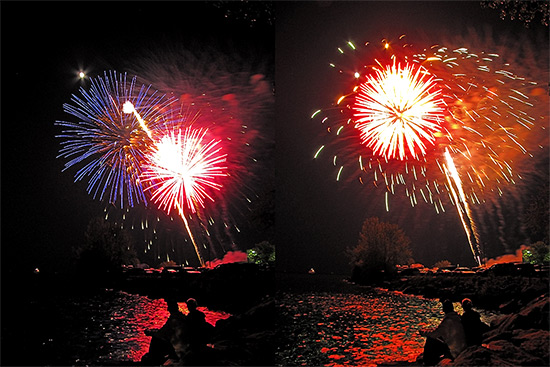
(462,206)
(108,144)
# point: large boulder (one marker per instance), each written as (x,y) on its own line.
(533,341)
(479,356)
(511,353)
(519,339)
(533,316)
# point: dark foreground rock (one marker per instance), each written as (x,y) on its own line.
(518,339)
(233,288)
(246,339)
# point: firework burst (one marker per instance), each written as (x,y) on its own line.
(397,112)
(181,167)
(478,110)
(108,142)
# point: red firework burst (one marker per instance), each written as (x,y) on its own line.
(181,169)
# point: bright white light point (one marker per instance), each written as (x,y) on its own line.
(128,107)
(356,74)
(81,75)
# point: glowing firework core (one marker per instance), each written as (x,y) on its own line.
(398,111)
(182,167)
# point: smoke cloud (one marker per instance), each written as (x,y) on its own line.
(517,257)
(230,257)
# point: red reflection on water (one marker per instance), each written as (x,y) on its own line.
(136,314)
(350,329)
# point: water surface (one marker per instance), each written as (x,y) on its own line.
(350,325)
(106,327)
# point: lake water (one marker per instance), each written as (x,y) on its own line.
(322,320)
(342,324)
(106,327)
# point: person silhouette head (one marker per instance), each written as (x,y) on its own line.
(173,307)
(466,304)
(448,306)
(191,304)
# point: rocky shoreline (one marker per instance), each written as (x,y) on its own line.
(516,339)
(520,337)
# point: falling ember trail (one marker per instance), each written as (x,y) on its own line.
(128,108)
(462,206)
(182,215)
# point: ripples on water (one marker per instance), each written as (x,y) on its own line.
(371,328)
(130,315)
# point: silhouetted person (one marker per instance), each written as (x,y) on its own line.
(447,340)
(199,330)
(196,334)
(161,348)
(473,326)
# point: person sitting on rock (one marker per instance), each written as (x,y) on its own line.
(199,331)
(447,340)
(471,321)
(195,335)
(161,347)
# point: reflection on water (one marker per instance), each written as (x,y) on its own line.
(322,328)
(130,315)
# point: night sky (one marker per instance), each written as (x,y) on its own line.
(44,45)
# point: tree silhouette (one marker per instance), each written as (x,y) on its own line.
(262,254)
(106,249)
(380,248)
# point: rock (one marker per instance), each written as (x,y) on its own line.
(248,338)
(445,362)
(509,306)
(479,356)
(536,313)
(509,352)
(496,335)
(536,342)
(533,316)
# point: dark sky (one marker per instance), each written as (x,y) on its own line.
(45,214)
